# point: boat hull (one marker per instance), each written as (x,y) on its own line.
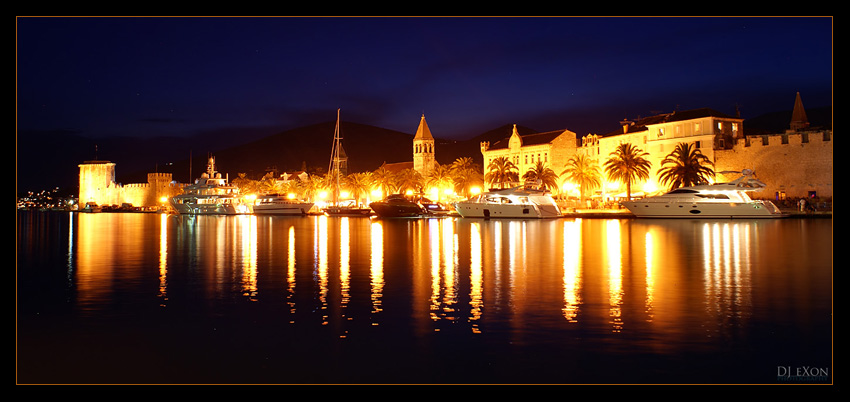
(691,210)
(347,211)
(516,211)
(294,208)
(396,210)
(207,206)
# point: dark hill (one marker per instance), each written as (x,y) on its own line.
(367,148)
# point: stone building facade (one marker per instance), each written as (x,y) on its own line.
(552,148)
(97,185)
(793,164)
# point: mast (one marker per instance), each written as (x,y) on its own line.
(334,167)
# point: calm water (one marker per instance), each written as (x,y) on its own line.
(149,298)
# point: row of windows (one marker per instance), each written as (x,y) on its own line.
(529,158)
(426,148)
(697,128)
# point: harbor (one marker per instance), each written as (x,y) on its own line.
(111,298)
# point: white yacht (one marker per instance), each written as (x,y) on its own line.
(279,204)
(720,200)
(517,202)
(211,194)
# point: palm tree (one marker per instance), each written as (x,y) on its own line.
(246,185)
(268,184)
(312,186)
(585,172)
(385,179)
(439,177)
(465,173)
(627,164)
(358,184)
(409,179)
(501,171)
(687,167)
(541,174)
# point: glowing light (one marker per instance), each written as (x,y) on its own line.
(650,187)
(290,196)
(475,190)
(434,192)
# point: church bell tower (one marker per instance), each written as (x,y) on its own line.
(423,149)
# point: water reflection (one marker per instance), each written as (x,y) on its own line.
(631,275)
(377,265)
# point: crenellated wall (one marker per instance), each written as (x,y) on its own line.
(792,164)
(97,184)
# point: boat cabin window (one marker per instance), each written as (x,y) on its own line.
(682,191)
(714,196)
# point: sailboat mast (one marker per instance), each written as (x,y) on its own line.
(334,168)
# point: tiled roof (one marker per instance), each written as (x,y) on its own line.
(642,123)
(529,139)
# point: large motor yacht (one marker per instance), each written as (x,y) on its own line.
(517,202)
(211,194)
(720,200)
(279,204)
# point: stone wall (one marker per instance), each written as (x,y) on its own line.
(793,165)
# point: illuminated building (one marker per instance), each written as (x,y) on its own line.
(793,164)
(97,185)
(423,149)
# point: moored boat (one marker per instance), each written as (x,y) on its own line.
(719,200)
(211,194)
(517,202)
(337,207)
(397,206)
(279,204)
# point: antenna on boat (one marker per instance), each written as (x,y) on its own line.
(747,178)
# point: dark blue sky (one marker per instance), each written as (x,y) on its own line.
(184,76)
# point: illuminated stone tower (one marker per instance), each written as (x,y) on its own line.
(423,149)
(96,180)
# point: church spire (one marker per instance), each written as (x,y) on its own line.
(799,121)
(423,132)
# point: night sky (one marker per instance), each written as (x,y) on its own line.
(180,76)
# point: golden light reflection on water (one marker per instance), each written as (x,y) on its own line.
(615,274)
(377,265)
(628,274)
(572,269)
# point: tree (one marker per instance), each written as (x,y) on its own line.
(541,174)
(385,179)
(439,177)
(358,184)
(409,179)
(465,174)
(585,172)
(686,166)
(501,171)
(245,185)
(627,164)
(268,184)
